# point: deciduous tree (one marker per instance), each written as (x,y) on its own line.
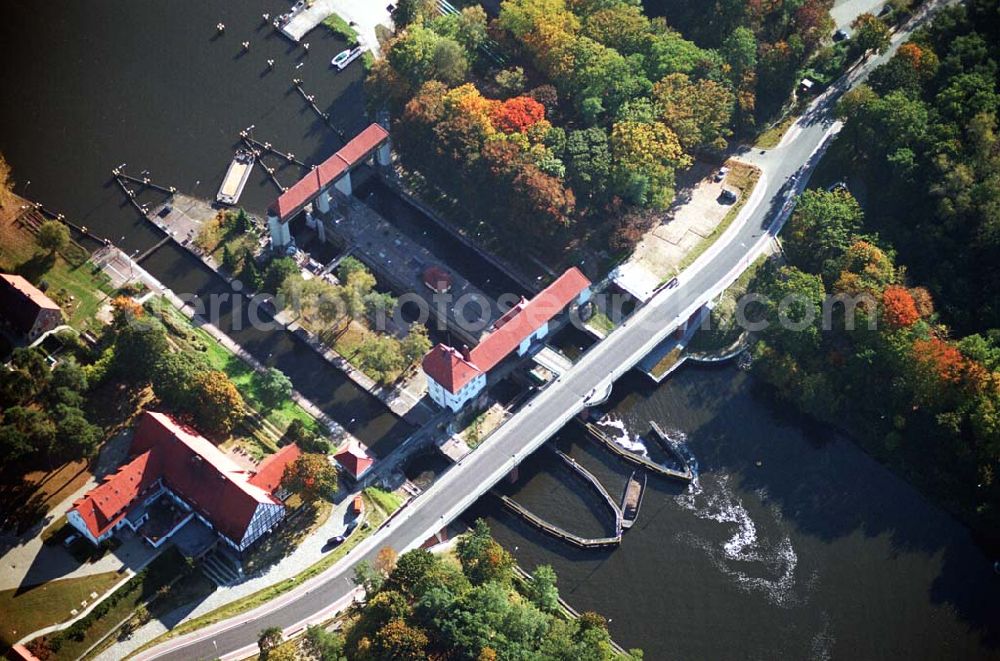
(312,477)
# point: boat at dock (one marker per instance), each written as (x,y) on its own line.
(236,178)
(632,500)
(343,58)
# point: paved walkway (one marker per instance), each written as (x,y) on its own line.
(30,562)
(309,552)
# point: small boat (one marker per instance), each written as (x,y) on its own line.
(236,178)
(343,58)
(632,500)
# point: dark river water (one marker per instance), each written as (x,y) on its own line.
(91,85)
(818,553)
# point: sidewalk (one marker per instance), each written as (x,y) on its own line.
(309,552)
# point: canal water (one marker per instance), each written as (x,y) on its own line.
(818,553)
(89,86)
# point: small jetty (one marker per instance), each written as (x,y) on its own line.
(669,448)
(236,178)
(632,500)
(554,530)
(598,434)
(562,534)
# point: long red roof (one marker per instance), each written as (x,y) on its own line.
(295,198)
(191,466)
(450,369)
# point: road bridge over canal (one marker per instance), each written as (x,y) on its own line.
(785,172)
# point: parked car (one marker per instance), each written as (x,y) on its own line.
(727,196)
(841,35)
(721,174)
(673,283)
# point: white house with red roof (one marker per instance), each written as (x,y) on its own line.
(177,471)
(354,458)
(25,308)
(455,377)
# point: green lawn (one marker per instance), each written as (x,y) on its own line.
(600,321)
(247,380)
(388,501)
(72,281)
(339,27)
(26,610)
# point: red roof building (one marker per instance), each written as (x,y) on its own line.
(354,458)
(25,308)
(454,377)
(306,189)
(437,279)
(271,470)
(172,458)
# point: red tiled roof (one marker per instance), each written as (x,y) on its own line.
(437,278)
(21,301)
(105,505)
(446,366)
(197,471)
(269,473)
(291,201)
(354,458)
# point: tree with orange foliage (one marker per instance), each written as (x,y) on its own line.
(124,310)
(311,476)
(899,310)
(922,299)
(943,359)
(540,194)
(517,114)
(385,561)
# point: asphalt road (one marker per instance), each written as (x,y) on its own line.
(785,171)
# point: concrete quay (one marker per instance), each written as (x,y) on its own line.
(116,263)
(183,222)
(401,261)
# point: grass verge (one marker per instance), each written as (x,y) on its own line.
(339,27)
(388,501)
(743,177)
(771,137)
(375,519)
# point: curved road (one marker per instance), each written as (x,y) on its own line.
(785,172)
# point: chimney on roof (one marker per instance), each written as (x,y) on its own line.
(465,352)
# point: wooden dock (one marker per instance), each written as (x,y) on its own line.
(555,531)
(669,448)
(589,478)
(598,435)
